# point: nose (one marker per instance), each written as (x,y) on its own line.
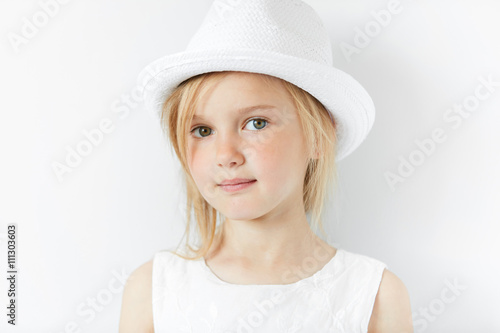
(229,152)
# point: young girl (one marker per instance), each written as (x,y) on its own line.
(258,117)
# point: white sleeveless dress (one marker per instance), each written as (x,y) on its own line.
(189,298)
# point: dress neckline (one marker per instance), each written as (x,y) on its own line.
(212,276)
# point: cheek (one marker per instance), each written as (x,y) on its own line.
(273,160)
(196,162)
(283,161)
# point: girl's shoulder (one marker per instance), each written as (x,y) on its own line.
(392,308)
(137,311)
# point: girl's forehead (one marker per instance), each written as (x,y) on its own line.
(267,108)
(242,80)
(238,94)
(241,93)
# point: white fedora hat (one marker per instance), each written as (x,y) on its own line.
(281,38)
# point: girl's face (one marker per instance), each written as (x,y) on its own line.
(244,128)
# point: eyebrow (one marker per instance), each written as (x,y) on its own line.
(246,110)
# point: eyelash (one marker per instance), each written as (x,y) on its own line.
(249,120)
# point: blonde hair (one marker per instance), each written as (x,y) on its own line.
(318,128)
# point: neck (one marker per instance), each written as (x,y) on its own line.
(269,240)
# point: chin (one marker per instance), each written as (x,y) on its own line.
(239,215)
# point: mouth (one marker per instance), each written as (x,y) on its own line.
(237,185)
(235,181)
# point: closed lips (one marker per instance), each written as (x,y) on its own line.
(236,182)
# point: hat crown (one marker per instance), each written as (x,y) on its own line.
(281,38)
(289,27)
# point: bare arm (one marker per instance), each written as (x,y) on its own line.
(392,310)
(137,306)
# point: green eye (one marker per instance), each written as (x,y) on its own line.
(258,123)
(204,130)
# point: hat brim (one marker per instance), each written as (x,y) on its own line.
(343,96)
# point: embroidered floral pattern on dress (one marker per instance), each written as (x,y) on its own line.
(213,311)
(289,322)
(338,298)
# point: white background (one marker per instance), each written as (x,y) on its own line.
(122,203)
